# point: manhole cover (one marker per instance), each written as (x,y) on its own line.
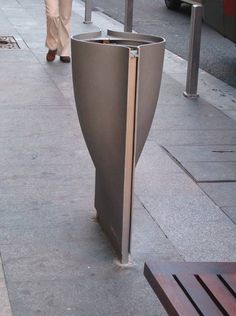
(8,42)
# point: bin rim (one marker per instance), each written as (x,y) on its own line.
(94,37)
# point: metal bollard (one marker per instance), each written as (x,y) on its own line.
(194,51)
(88,12)
(128,26)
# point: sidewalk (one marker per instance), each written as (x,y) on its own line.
(56,260)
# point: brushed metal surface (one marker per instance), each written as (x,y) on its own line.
(150,66)
(150,39)
(116,85)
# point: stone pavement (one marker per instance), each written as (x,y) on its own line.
(5,307)
(56,260)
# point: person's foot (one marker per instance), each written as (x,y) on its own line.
(65,59)
(51,55)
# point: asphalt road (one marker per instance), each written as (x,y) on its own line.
(218,54)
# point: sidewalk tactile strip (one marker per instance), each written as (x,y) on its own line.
(8,42)
(5,308)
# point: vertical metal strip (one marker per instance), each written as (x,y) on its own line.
(129,157)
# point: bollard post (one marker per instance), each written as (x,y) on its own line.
(194,51)
(129,6)
(88,12)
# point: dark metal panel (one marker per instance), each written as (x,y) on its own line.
(230,27)
(230,19)
(213,14)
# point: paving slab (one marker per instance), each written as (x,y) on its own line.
(222,193)
(231,114)
(181,205)
(32,120)
(148,239)
(203,153)
(45,183)
(158,156)
(10,3)
(55,252)
(5,307)
(79,297)
(47,249)
(22,89)
(17,56)
(33,196)
(54,150)
(216,92)
(193,137)
(231,212)
(211,171)
(213,120)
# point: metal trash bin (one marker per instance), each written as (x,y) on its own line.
(116,86)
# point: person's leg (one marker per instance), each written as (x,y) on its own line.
(52,15)
(65,7)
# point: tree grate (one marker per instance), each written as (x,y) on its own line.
(8,42)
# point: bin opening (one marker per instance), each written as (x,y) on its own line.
(129,43)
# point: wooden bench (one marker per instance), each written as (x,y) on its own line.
(194,288)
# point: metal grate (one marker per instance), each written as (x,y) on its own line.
(8,42)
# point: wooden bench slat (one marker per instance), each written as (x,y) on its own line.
(176,296)
(220,292)
(194,288)
(198,294)
(191,267)
(230,279)
(170,294)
